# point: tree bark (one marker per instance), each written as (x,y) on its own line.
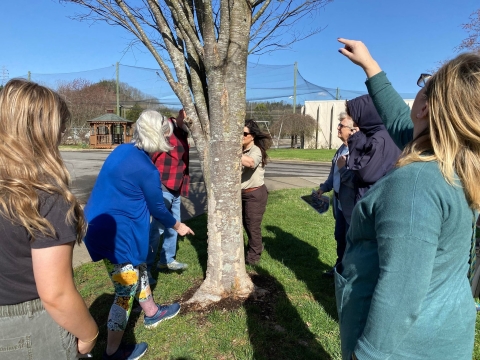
(226,275)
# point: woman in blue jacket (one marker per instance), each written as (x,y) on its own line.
(404,291)
(126,193)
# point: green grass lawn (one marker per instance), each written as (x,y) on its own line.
(324,155)
(302,154)
(296,320)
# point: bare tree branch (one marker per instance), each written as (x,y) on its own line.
(105,13)
(472,42)
(197,82)
(278,21)
(173,48)
(261,11)
(180,16)
(146,41)
(254,3)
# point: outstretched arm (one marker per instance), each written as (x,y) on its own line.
(394,112)
(152,190)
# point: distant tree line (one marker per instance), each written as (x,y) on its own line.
(87,100)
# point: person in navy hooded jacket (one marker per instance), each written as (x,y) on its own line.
(372,152)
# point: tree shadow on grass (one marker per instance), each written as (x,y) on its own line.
(302,258)
(99,310)
(200,241)
(275,327)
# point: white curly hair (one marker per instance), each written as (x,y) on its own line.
(151,133)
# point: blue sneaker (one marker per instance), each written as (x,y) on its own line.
(164,312)
(127,352)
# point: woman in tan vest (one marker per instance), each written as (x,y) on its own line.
(254,191)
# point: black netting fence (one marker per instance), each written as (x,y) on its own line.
(264,83)
(271,93)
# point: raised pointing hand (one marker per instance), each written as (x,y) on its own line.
(358,53)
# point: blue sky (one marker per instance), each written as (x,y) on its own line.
(406,37)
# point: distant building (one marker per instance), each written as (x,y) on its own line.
(326,113)
(110,130)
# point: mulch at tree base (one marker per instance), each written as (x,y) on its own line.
(269,338)
(266,285)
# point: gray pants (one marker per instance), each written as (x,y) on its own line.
(27,331)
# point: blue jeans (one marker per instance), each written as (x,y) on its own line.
(169,247)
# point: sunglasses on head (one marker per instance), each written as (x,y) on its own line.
(422,80)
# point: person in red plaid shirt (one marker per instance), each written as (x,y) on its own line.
(173,168)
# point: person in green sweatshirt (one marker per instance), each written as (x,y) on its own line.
(404,291)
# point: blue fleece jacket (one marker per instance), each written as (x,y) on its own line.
(126,193)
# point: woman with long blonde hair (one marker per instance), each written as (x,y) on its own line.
(404,291)
(42,315)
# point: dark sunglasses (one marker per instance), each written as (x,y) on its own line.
(246,134)
(342,126)
(422,80)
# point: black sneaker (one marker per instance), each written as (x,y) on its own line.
(127,352)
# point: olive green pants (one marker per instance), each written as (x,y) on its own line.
(27,332)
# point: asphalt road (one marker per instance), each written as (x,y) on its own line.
(84,167)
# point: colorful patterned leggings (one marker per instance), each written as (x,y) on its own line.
(129,282)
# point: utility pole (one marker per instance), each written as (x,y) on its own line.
(29,76)
(294,86)
(294,98)
(118,90)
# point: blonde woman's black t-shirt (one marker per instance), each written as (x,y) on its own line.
(17,283)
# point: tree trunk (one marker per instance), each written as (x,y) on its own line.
(208,43)
(226,65)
